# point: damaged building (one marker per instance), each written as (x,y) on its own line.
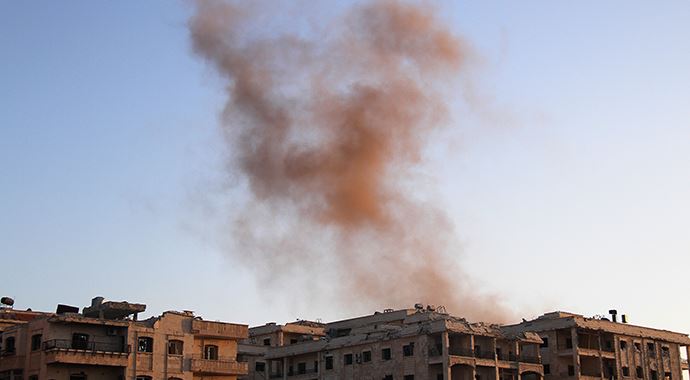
(420,343)
(107,341)
(576,347)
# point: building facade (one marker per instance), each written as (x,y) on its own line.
(576,347)
(106,341)
(420,343)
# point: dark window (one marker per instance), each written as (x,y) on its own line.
(569,344)
(33,377)
(609,345)
(348,359)
(439,376)
(408,377)
(408,350)
(626,371)
(175,347)
(293,341)
(665,351)
(301,368)
(329,362)
(638,372)
(291,371)
(547,369)
(260,367)
(142,377)
(9,346)
(80,341)
(82,376)
(545,343)
(623,344)
(654,375)
(267,342)
(145,344)
(386,354)
(211,352)
(316,366)
(571,370)
(169,378)
(638,347)
(366,356)
(651,349)
(36,342)
(388,377)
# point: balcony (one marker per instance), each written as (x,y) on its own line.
(219,330)
(11,361)
(65,351)
(222,366)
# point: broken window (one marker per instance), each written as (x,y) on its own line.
(36,342)
(623,344)
(408,350)
(626,371)
(293,341)
(545,342)
(348,359)
(145,344)
(260,367)
(571,370)
(9,346)
(654,375)
(651,350)
(386,354)
(80,341)
(547,369)
(316,366)
(366,356)
(665,351)
(638,372)
(211,352)
(267,342)
(388,377)
(329,362)
(638,346)
(175,347)
(408,377)
(301,368)
(569,343)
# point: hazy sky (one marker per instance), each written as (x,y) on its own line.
(568,181)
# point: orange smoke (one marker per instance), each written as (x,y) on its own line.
(326,130)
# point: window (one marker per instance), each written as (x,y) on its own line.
(366,356)
(81,376)
(638,346)
(547,369)
(408,377)
(569,344)
(175,347)
(623,344)
(211,352)
(348,359)
(654,375)
(80,341)
(33,377)
(260,367)
(174,378)
(145,344)
(386,354)
(329,362)
(9,346)
(316,366)
(293,341)
(665,351)
(545,342)
(638,372)
(651,349)
(301,368)
(36,342)
(408,350)
(571,370)
(141,377)
(388,377)
(626,371)
(667,375)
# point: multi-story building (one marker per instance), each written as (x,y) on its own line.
(420,343)
(576,347)
(106,341)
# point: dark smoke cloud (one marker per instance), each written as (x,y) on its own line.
(327,131)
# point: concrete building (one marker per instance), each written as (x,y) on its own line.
(420,343)
(576,347)
(106,341)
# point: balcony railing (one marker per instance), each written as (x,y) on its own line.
(530,359)
(220,366)
(66,344)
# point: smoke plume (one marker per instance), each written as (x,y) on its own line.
(327,129)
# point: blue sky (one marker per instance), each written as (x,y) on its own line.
(568,183)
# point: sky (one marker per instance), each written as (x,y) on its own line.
(567,178)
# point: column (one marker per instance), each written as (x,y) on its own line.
(576,356)
(445,348)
